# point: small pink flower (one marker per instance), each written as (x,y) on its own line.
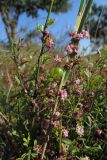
(49,44)
(47,39)
(56,123)
(70,48)
(57,114)
(65,132)
(46,34)
(77,91)
(99,131)
(80,130)
(57,58)
(50,91)
(79,36)
(85,34)
(72,34)
(77,81)
(63,94)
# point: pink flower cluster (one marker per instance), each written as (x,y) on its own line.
(48,39)
(56,123)
(77,81)
(80,130)
(65,132)
(78,36)
(57,58)
(63,94)
(71,48)
(77,91)
(56,114)
(50,43)
(85,34)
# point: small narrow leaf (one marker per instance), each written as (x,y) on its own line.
(17,80)
(35,142)
(67,141)
(50,22)
(87,73)
(39,27)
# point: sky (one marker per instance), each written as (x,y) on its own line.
(63,21)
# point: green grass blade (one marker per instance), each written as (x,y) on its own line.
(81,6)
(87,8)
(79,16)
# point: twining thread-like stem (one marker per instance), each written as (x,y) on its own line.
(60,136)
(60,86)
(54,110)
(50,9)
(42,48)
(38,63)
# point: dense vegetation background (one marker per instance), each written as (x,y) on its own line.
(53,98)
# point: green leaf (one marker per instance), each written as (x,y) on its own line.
(14,132)
(35,142)
(67,141)
(87,73)
(28,139)
(39,27)
(24,139)
(17,80)
(29,155)
(14,45)
(90,121)
(34,155)
(50,22)
(87,147)
(25,144)
(22,157)
(75,150)
(96,81)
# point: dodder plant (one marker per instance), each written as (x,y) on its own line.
(72,49)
